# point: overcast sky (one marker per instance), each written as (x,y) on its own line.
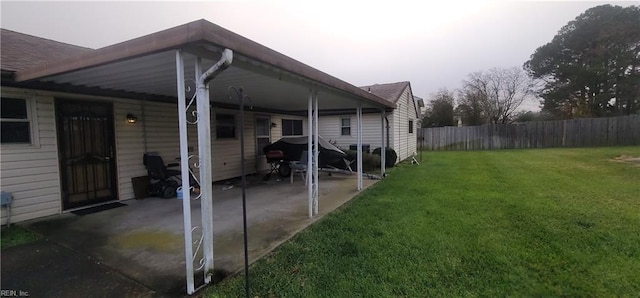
(431,44)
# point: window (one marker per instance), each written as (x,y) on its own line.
(291,127)
(225,126)
(15,121)
(345,126)
(410,126)
(263,132)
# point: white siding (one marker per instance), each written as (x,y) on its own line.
(162,136)
(404,142)
(261,162)
(159,123)
(400,140)
(276,134)
(30,172)
(226,152)
(412,138)
(329,128)
(129,145)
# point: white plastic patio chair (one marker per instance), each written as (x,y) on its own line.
(300,166)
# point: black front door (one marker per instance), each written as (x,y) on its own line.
(86,150)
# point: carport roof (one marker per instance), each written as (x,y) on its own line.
(146,65)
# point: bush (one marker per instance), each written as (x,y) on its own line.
(391,156)
(370,162)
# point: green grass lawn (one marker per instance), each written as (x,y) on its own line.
(16,235)
(546,222)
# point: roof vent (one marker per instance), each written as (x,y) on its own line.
(369,89)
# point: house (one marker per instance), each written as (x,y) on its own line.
(77,121)
(400,124)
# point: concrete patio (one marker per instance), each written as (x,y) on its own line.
(144,240)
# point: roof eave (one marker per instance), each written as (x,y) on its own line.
(220,36)
(7,74)
(149,44)
(181,36)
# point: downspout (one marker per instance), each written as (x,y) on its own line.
(203,106)
(222,64)
(388,127)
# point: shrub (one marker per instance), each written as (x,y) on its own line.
(391,156)
(370,162)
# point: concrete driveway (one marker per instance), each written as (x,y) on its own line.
(144,240)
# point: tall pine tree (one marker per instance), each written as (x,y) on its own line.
(591,68)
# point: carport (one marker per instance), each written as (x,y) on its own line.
(143,242)
(206,67)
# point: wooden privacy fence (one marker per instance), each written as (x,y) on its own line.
(586,132)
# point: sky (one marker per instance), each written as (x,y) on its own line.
(432,44)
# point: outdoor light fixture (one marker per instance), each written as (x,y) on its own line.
(131,118)
(273,125)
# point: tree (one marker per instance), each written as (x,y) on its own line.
(470,107)
(526,116)
(499,92)
(439,110)
(591,68)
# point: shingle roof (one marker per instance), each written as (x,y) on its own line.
(21,51)
(390,92)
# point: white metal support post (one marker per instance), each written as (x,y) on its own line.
(204,154)
(184,169)
(316,148)
(359,144)
(309,153)
(383,151)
